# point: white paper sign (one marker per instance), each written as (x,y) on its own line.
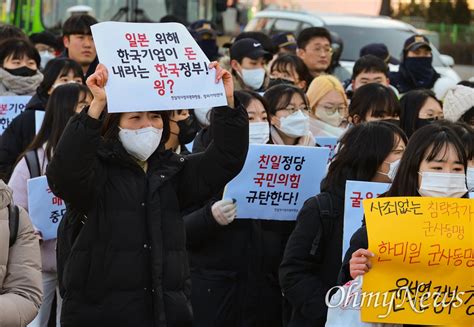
(471,195)
(357,191)
(39,117)
(276,180)
(45,209)
(328,142)
(10,107)
(155,66)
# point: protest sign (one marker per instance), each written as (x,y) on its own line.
(328,142)
(10,107)
(39,117)
(357,191)
(46,210)
(424,257)
(276,180)
(155,66)
(471,195)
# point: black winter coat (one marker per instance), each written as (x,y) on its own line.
(305,279)
(128,265)
(18,135)
(234,270)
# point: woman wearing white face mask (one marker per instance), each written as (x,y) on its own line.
(122,240)
(328,115)
(466,134)
(289,109)
(434,164)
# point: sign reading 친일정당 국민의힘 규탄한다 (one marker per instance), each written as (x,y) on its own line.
(155,66)
(276,180)
(422,272)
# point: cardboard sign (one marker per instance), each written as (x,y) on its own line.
(424,257)
(155,66)
(45,209)
(10,107)
(357,191)
(276,180)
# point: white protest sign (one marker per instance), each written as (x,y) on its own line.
(328,142)
(357,191)
(471,195)
(10,107)
(155,66)
(45,209)
(39,117)
(276,180)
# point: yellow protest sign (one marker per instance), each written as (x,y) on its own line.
(423,266)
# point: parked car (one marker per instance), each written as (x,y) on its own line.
(355,30)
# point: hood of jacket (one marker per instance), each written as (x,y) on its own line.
(5,195)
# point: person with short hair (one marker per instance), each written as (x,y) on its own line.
(416,70)
(369,69)
(285,42)
(206,37)
(79,44)
(248,59)
(19,68)
(314,47)
(288,68)
(374,102)
(379,50)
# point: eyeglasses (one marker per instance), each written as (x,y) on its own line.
(323,50)
(331,110)
(292,110)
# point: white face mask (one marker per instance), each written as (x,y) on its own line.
(442,185)
(202,115)
(141,143)
(334,120)
(259,133)
(392,170)
(46,56)
(470,178)
(295,125)
(253,78)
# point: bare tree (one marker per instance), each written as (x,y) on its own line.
(386,8)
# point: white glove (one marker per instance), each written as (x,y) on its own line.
(224,211)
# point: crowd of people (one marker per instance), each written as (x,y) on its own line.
(148,239)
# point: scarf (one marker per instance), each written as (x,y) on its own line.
(18,85)
(307,140)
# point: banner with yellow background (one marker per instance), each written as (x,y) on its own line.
(423,266)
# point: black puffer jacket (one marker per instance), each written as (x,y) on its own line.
(306,277)
(128,265)
(19,135)
(234,270)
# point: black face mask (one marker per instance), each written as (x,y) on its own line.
(422,71)
(419,123)
(22,71)
(188,129)
(279,81)
(396,122)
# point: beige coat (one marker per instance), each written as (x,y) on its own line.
(20,268)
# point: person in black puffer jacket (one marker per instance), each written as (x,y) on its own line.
(313,253)
(21,131)
(127,265)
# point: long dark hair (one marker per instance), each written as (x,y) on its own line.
(246,96)
(363,149)
(410,106)
(376,99)
(279,96)
(55,68)
(427,142)
(60,108)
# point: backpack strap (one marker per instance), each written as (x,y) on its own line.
(13,223)
(32,162)
(326,215)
